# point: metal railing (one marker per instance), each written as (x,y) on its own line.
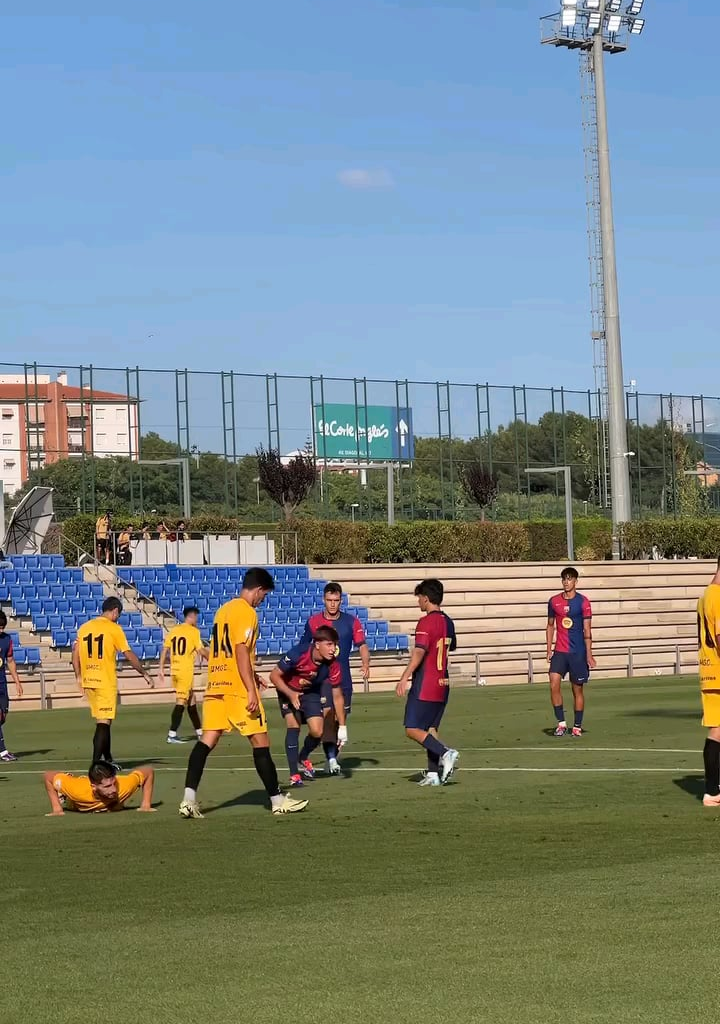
(625,654)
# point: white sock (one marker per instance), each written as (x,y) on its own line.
(198,733)
(275,800)
(433,775)
(190,796)
(562,723)
(172,733)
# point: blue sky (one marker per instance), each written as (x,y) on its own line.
(351,187)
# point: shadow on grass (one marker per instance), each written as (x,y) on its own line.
(131,763)
(664,713)
(255,798)
(693,785)
(31,753)
(568,735)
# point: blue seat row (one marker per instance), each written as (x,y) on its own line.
(140,576)
(37,561)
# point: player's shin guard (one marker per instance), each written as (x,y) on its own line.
(311,743)
(711,757)
(196,765)
(265,767)
(176,717)
(194,716)
(101,742)
(292,739)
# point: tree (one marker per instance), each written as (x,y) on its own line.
(287,484)
(480,485)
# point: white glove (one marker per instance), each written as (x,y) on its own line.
(342,735)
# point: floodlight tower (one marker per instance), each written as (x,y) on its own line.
(596,27)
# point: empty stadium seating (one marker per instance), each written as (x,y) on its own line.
(57,599)
(282,616)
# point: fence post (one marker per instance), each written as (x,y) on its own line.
(677,660)
(531,670)
(43,690)
(630,663)
(477,669)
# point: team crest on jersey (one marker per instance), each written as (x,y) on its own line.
(567,622)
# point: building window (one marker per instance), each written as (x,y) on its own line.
(9,464)
(120,413)
(102,440)
(7,414)
(7,440)
(122,441)
(99,413)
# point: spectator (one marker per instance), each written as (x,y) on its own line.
(124,555)
(102,538)
(163,531)
(181,530)
(146,531)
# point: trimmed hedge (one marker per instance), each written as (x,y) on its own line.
(330,541)
(673,538)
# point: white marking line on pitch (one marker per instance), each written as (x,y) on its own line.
(359,752)
(415,770)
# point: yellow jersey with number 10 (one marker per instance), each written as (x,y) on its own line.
(708,620)
(235,623)
(99,641)
(183,642)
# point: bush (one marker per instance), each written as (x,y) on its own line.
(78,535)
(674,538)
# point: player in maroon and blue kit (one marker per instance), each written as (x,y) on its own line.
(7,664)
(569,623)
(351,635)
(300,678)
(430,686)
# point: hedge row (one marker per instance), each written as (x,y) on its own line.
(672,538)
(328,542)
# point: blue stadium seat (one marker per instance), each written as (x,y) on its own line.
(37,576)
(77,606)
(63,606)
(151,652)
(60,638)
(69,622)
(15,637)
(35,608)
(46,562)
(41,623)
(157,635)
(9,576)
(262,648)
(83,590)
(55,623)
(20,609)
(383,627)
(32,561)
(371,628)
(143,635)
(24,577)
(64,576)
(97,590)
(57,590)
(235,574)
(403,642)
(33,656)
(125,575)
(4,592)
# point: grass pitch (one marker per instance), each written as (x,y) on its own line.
(553,880)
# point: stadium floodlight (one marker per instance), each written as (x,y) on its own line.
(637,26)
(613,23)
(569,17)
(592,5)
(594,19)
(635,7)
(613,5)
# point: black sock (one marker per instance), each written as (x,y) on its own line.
(311,743)
(176,717)
(711,757)
(101,742)
(194,716)
(265,767)
(433,763)
(292,738)
(331,751)
(196,765)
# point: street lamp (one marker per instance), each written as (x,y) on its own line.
(354,505)
(256,481)
(597,27)
(565,470)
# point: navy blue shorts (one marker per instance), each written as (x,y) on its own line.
(311,706)
(423,714)
(327,692)
(4,703)
(573,665)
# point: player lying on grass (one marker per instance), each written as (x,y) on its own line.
(102,789)
(307,679)
(427,673)
(570,622)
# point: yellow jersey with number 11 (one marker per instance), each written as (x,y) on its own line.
(99,641)
(235,623)
(708,620)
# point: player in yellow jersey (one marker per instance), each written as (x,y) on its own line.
(708,621)
(232,699)
(102,789)
(182,645)
(94,657)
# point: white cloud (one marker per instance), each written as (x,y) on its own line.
(365,178)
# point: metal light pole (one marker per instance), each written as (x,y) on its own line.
(617,417)
(594,28)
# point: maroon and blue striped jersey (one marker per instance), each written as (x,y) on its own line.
(303,674)
(569,615)
(434,634)
(350,633)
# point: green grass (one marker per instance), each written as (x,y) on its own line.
(514,896)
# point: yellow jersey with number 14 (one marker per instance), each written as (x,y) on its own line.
(99,641)
(708,619)
(235,623)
